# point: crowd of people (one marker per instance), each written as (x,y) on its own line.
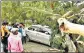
(12,37)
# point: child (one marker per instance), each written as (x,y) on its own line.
(14,42)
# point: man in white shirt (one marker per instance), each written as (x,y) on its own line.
(24,34)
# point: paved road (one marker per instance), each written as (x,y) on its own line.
(35,47)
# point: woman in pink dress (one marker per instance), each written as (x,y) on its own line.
(14,42)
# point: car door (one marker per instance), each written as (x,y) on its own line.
(34,33)
(43,37)
(31,33)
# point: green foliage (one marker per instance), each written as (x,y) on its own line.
(39,11)
(81,39)
(57,42)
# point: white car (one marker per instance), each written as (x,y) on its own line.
(39,33)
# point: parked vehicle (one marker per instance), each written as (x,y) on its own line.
(39,33)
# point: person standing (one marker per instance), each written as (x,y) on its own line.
(9,27)
(14,42)
(4,36)
(20,30)
(24,34)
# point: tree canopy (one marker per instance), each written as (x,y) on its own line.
(36,12)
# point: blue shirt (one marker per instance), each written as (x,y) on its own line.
(20,30)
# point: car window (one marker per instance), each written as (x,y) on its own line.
(43,31)
(39,29)
(31,28)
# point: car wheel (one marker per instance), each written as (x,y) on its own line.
(27,38)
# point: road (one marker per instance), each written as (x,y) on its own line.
(35,47)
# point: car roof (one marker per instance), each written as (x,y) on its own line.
(45,28)
(39,26)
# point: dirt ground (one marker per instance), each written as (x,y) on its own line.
(35,47)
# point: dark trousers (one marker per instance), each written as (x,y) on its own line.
(5,44)
(24,39)
(5,48)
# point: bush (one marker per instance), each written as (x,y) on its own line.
(57,41)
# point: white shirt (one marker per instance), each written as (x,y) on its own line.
(19,34)
(23,30)
(8,27)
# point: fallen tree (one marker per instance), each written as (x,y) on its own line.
(68,27)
